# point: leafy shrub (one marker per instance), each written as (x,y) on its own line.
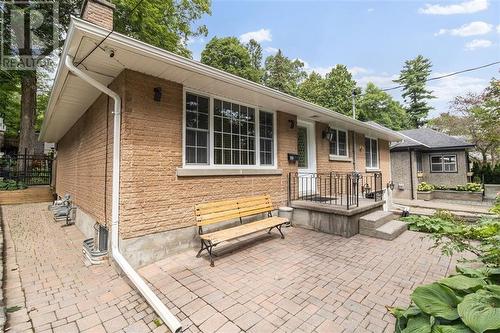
(446,215)
(11,185)
(481,238)
(496,206)
(424,187)
(441,187)
(486,174)
(466,302)
(473,187)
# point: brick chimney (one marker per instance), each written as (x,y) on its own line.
(99,12)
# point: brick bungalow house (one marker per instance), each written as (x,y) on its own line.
(185,133)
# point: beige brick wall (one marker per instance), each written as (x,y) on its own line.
(83,156)
(153,198)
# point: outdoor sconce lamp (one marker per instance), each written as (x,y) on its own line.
(157,94)
(329,135)
(420,174)
(291,124)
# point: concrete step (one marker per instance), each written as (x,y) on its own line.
(391,230)
(374,220)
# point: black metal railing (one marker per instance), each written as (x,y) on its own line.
(29,169)
(335,188)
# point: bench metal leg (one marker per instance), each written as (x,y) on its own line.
(279,229)
(207,245)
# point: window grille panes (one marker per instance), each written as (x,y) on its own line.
(333,143)
(371,153)
(266,138)
(196,129)
(436,164)
(450,163)
(342,143)
(234,134)
(338,146)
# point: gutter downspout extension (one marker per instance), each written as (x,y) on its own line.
(168,318)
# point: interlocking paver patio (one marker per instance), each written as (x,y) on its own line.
(308,282)
(57,292)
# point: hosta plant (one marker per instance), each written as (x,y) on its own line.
(468,301)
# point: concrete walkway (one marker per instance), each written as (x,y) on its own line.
(52,290)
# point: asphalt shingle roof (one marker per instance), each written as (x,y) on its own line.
(429,138)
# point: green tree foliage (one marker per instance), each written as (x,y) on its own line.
(167,24)
(10,101)
(230,55)
(283,74)
(379,106)
(413,79)
(476,117)
(339,86)
(313,89)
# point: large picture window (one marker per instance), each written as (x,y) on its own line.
(371,153)
(443,163)
(338,147)
(242,135)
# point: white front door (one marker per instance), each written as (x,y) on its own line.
(306,148)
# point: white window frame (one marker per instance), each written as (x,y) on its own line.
(373,168)
(210,165)
(442,156)
(336,155)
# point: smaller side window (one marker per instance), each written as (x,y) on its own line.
(338,146)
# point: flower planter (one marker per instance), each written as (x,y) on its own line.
(450,195)
(425,195)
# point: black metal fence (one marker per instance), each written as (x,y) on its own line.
(29,169)
(334,188)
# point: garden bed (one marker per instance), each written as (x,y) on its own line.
(32,194)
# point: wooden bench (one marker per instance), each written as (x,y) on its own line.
(223,211)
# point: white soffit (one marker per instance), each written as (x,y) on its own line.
(71,97)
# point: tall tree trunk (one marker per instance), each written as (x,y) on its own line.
(28,113)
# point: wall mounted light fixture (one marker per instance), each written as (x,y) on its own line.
(291,124)
(157,94)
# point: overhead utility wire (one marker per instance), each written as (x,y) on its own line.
(448,75)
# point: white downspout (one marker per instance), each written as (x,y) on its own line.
(168,318)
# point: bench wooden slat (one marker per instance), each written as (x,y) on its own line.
(242,230)
(220,211)
(206,205)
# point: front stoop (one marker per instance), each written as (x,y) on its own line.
(381,225)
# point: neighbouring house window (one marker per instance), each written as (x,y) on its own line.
(338,147)
(371,153)
(196,129)
(233,129)
(443,163)
(419,161)
(266,132)
(234,134)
